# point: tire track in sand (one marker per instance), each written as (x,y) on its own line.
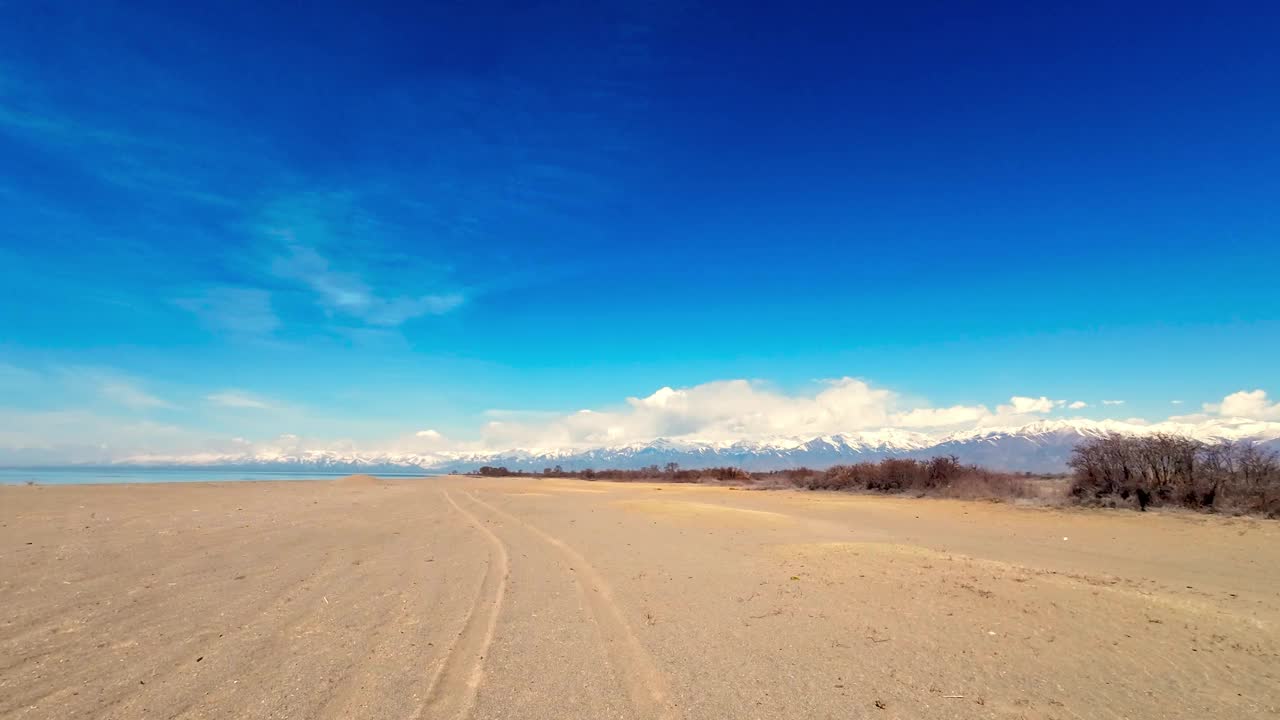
(646,686)
(451,694)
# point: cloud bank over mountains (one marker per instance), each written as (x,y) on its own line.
(1253,404)
(130,421)
(737,410)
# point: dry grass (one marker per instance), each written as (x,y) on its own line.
(940,476)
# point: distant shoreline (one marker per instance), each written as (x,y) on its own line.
(96,475)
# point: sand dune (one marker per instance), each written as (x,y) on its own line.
(471,598)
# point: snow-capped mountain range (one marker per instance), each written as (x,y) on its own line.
(1043,446)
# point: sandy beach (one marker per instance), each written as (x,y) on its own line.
(462,597)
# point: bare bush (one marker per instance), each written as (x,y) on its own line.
(1172,470)
(943,475)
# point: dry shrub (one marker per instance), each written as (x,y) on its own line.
(944,476)
(670,473)
(1171,470)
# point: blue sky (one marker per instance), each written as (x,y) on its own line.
(355,223)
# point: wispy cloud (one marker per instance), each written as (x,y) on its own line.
(68,436)
(43,124)
(348,294)
(1078,405)
(509,414)
(156,159)
(312,239)
(1112,402)
(235,310)
(14,377)
(238,399)
(130,395)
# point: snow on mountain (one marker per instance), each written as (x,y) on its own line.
(1043,446)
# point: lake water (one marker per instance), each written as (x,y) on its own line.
(85,475)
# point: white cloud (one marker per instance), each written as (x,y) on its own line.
(429,440)
(1021,405)
(1252,404)
(238,399)
(725,411)
(1112,402)
(1175,402)
(733,410)
(942,417)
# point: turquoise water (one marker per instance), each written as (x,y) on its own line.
(81,476)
